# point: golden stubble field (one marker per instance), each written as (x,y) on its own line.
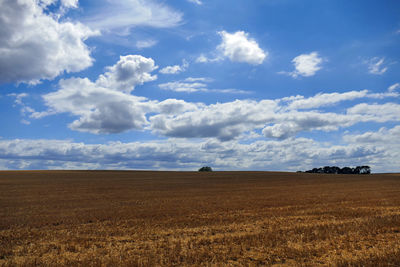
(111,218)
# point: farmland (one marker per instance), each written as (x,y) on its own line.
(140,218)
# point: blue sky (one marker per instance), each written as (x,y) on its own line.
(175,85)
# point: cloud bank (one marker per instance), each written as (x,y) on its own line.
(379,149)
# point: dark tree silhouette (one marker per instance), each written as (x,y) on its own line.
(344,170)
(365,170)
(205,169)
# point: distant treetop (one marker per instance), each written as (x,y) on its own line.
(205,169)
(344,170)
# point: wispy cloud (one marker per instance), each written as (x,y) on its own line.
(197,2)
(145,43)
(204,59)
(175,69)
(192,85)
(394,87)
(376,65)
(122,15)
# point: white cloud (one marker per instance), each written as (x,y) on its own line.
(376,66)
(306,65)
(123,15)
(238,47)
(100,109)
(198,79)
(385,140)
(24,109)
(63,3)
(394,87)
(197,2)
(175,69)
(191,85)
(224,121)
(105,106)
(35,46)
(320,99)
(289,124)
(145,43)
(382,137)
(175,106)
(203,59)
(184,87)
(70,3)
(277,118)
(130,70)
(291,154)
(19,97)
(376,112)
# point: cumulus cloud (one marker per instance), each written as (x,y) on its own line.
(376,65)
(300,102)
(123,15)
(279,118)
(225,121)
(175,69)
(130,70)
(381,137)
(385,140)
(100,109)
(376,112)
(105,106)
(175,106)
(34,45)
(306,65)
(291,123)
(239,47)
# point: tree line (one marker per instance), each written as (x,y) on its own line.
(344,170)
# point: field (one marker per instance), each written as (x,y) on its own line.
(110,218)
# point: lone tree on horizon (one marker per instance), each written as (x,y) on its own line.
(205,169)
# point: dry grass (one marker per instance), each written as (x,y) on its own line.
(90,218)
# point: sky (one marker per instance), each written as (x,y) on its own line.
(276,85)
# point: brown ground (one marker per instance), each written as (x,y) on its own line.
(107,218)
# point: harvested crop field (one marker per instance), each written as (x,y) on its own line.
(124,218)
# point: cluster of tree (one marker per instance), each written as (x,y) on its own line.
(205,169)
(344,170)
